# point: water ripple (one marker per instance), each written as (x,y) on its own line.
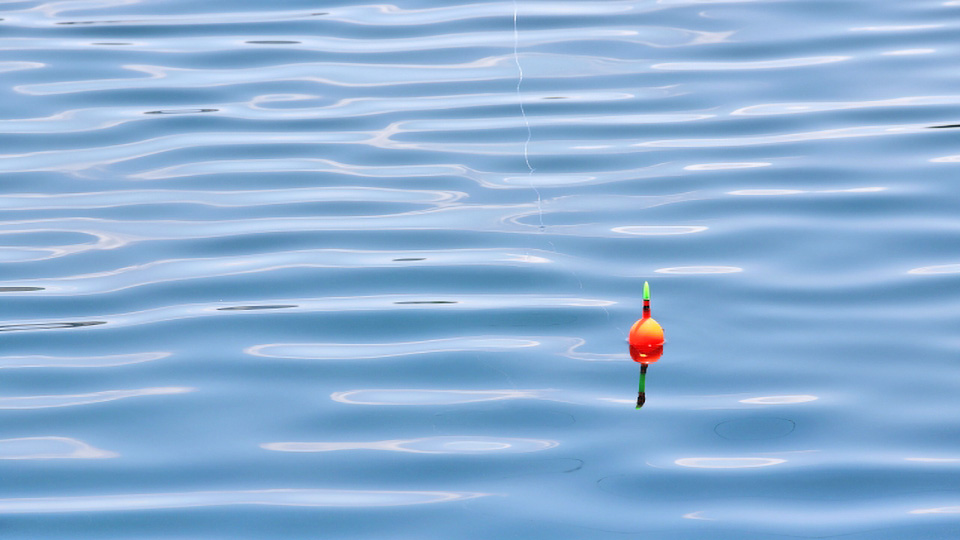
(428,445)
(941,269)
(222,199)
(415,234)
(333,498)
(758,64)
(6,67)
(503,218)
(828,106)
(314,305)
(651,36)
(277,107)
(492,68)
(43,402)
(700,270)
(39,361)
(728,462)
(166,271)
(432,397)
(50,448)
(342,351)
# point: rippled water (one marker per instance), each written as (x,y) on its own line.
(302,269)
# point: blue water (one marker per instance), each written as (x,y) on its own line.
(299,269)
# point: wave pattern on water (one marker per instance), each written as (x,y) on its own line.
(422,228)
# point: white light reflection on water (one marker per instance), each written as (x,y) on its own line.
(941,510)
(259,108)
(726,166)
(839,133)
(43,402)
(696,515)
(427,445)
(652,36)
(757,64)
(568,347)
(351,14)
(267,497)
(779,400)
(728,462)
(658,230)
(103,241)
(222,199)
(762,192)
(50,448)
(488,179)
(941,269)
(766,192)
(700,270)
(38,361)
(824,106)
(908,52)
(344,351)
(6,67)
(432,397)
(354,75)
(895,27)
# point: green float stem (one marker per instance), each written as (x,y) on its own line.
(641,393)
(646,290)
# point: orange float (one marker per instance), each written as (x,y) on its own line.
(646,335)
(646,343)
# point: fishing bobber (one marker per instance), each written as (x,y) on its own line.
(646,344)
(646,335)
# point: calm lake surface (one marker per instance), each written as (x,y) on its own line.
(309,269)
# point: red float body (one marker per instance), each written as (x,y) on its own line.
(646,338)
(646,356)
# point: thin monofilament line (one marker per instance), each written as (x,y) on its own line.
(523,112)
(526,144)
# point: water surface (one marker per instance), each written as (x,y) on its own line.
(345,270)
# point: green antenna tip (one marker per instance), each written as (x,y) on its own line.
(646,290)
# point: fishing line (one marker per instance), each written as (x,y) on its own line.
(523,112)
(526,148)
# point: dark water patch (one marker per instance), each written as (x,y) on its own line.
(75,23)
(182,111)
(946,126)
(48,326)
(21,289)
(410,259)
(550,466)
(256,308)
(273,42)
(427,302)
